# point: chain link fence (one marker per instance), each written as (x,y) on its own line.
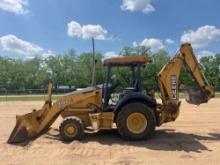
(31,94)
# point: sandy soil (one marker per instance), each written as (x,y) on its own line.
(193,139)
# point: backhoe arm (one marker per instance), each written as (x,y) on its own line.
(168,81)
(194,67)
(168,77)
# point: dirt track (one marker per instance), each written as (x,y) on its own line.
(193,139)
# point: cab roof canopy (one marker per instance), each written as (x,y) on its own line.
(127,60)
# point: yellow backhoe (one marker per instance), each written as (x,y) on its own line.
(136,113)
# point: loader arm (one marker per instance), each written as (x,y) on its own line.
(168,81)
(33,124)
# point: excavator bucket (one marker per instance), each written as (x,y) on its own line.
(195,97)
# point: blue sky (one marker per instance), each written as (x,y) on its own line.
(47,27)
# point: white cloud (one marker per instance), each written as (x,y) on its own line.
(135,44)
(74,29)
(137,5)
(24,49)
(153,43)
(169,41)
(95,31)
(205,53)
(14,6)
(110,54)
(86,31)
(47,53)
(202,37)
(14,44)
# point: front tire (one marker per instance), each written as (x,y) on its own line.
(71,129)
(135,121)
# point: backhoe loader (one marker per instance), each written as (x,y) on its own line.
(135,113)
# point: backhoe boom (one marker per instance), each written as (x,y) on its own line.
(168,81)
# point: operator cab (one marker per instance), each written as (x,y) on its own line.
(128,67)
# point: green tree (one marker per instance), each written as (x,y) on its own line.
(159,59)
(76,70)
(84,69)
(69,63)
(55,70)
(210,66)
(138,50)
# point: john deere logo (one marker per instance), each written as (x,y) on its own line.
(173,86)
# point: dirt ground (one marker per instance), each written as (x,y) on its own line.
(193,139)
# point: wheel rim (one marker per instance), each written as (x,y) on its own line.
(70,130)
(136,123)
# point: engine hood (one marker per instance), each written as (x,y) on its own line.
(85,90)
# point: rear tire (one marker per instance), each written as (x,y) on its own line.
(135,121)
(71,129)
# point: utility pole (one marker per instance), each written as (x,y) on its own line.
(93,64)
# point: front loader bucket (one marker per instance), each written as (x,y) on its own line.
(25,129)
(31,125)
(195,97)
(18,135)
